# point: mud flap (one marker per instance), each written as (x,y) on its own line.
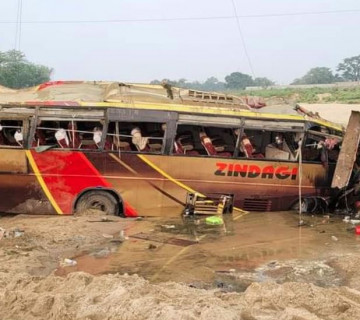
(347,156)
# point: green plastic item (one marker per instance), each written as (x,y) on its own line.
(214,220)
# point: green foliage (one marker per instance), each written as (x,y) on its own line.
(211,84)
(309,95)
(238,80)
(16,72)
(235,80)
(350,68)
(263,82)
(317,76)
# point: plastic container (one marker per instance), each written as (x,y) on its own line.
(214,220)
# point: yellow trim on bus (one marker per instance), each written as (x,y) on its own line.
(42,182)
(180,184)
(163,173)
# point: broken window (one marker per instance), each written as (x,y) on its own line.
(136,136)
(68,134)
(321,145)
(204,140)
(11,133)
(272,145)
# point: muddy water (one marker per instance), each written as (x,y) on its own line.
(254,247)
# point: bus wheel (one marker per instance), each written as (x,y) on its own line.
(304,205)
(99,201)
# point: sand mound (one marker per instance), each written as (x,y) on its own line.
(82,296)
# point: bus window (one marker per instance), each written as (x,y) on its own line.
(136,136)
(68,134)
(11,133)
(253,143)
(264,144)
(321,147)
(200,140)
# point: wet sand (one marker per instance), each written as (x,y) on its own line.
(256,266)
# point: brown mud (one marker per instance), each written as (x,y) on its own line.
(256,266)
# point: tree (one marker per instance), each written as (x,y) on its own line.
(238,80)
(16,72)
(350,68)
(318,75)
(263,82)
(213,84)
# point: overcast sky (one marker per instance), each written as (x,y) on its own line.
(280,47)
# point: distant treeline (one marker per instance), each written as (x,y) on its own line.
(17,72)
(348,70)
(235,80)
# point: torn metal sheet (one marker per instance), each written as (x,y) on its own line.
(348,152)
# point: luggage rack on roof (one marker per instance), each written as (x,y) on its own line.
(211,97)
(214,203)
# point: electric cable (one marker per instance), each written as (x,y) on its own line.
(249,16)
(242,39)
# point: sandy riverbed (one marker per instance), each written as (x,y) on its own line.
(305,273)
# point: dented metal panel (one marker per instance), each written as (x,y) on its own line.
(348,151)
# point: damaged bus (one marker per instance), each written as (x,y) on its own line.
(140,150)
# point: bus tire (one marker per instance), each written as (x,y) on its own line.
(101,201)
(304,205)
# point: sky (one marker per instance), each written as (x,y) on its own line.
(143,40)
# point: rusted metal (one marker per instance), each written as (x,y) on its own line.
(348,152)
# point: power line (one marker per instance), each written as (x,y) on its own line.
(250,16)
(243,39)
(18,25)
(20,22)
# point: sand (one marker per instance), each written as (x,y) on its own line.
(335,112)
(83,296)
(29,288)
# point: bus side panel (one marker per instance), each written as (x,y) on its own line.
(19,187)
(138,184)
(247,179)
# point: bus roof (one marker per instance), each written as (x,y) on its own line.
(142,96)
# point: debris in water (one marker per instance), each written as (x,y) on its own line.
(18,233)
(334,238)
(122,236)
(301,223)
(161,239)
(107,236)
(272,263)
(168,226)
(152,246)
(214,220)
(69,263)
(102,253)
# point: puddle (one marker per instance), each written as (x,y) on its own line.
(255,247)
